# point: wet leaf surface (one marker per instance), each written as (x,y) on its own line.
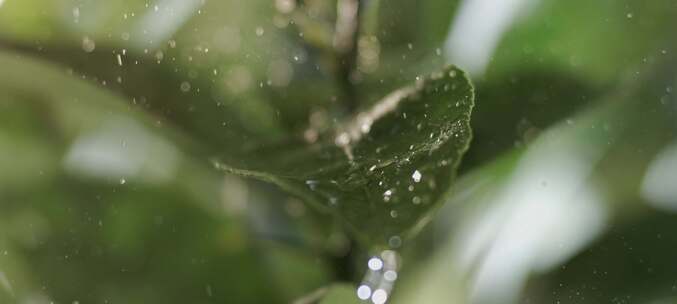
(383,170)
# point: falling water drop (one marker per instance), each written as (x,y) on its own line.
(416,176)
(390,275)
(312,184)
(364,292)
(387,194)
(88,45)
(380,296)
(76,14)
(395,241)
(375,264)
(185,86)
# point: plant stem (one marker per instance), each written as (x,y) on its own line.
(346,35)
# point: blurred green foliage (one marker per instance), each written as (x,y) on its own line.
(111,113)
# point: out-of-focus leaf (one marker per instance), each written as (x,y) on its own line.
(139,24)
(510,113)
(391,54)
(283,263)
(590,39)
(383,171)
(96,192)
(132,238)
(552,58)
(221,77)
(341,294)
(332,294)
(419,32)
(526,226)
(224,83)
(635,260)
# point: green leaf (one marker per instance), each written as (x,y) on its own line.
(547,37)
(587,185)
(172,210)
(383,170)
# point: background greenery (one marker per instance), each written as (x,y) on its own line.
(112,114)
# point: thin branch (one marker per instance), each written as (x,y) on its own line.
(347,24)
(345,45)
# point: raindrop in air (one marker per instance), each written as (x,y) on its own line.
(390,275)
(185,86)
(387,194)
(364,292)
(88,45)
(380,296)
(395,241)
(375,264)
(416,176)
